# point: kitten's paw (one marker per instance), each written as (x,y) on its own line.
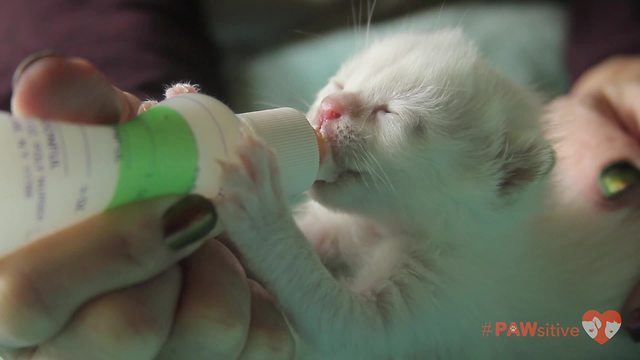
(146,105)
(252,205)
(171,91)
(181,88)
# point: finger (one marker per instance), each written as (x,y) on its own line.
(128,324)
(213,317)
(615,69)
(42,283)
(269,336)
(623,100)
(587,142)
(619,181)
(56,87)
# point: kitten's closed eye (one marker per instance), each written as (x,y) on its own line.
(382,109)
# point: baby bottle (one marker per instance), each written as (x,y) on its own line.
(55,174)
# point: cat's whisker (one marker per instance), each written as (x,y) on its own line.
(267,104)
(464,14)
(375,176)
(425,88)
(362,124)
(370,170)
(356,24)
(439,17)
(300,101)
(307,33)
(304,104)
(379,176)
(384,177)
(369,18)
(360,14)
(283,87)
(358,166)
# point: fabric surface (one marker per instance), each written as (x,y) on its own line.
(599,29)
(142,45)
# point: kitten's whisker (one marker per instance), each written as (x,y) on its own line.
(307,33)
(379,176)
(359,170)
(362,124)
(360,14)
(355,24)
(358,164)
(353,13)
(439,17)
(267,104)
(464,14)
(377,180)
(384,177)
(369,18)
(371,170)
(283,87)
(273,105)
(424,88)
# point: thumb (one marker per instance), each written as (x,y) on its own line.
(619,180)
(50,85)
(622,103)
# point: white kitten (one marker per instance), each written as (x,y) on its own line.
(439,215)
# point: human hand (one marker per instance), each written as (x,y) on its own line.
(111,287)
(596,129)
(597,133)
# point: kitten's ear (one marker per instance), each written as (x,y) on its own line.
(528,157)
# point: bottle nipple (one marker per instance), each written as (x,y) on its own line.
(322,145)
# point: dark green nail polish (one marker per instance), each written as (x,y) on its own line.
(188,221)
(29,60)
(618,178)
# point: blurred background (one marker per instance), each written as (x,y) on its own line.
(281,52)
(264,53)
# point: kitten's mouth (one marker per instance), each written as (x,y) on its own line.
(341,177)
(332,169)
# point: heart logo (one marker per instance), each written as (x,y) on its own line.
(601,327)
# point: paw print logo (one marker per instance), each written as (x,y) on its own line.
(513,328)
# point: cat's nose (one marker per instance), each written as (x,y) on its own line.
(330,109)
(333,107)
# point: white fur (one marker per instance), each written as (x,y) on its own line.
(432,241)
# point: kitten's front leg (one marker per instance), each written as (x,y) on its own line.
(252,205)
(326,313)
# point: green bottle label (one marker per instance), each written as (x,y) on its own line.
(158,156)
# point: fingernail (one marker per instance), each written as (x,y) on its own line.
(618,178)
(29,60)
(188,221)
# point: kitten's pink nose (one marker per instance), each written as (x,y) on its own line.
(330,109)
(333,107)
